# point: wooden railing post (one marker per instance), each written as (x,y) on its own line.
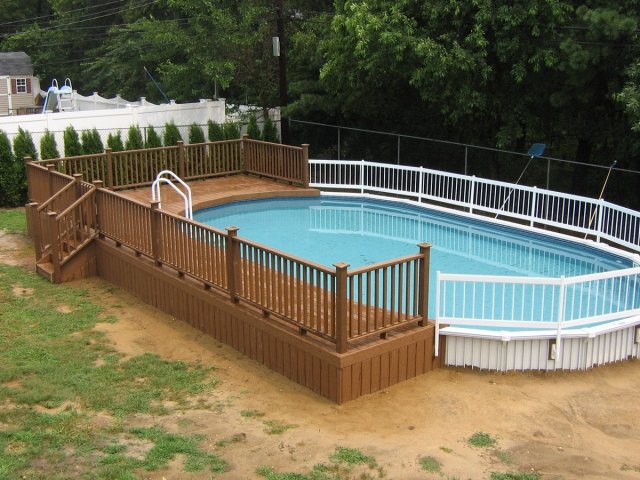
(77,178)
(52,226)
(246,157)
(98,184)
(423,286)
(305,164)
(34,227)
(109,179)
(156,232)
(233,262)
(342,323)
(50,168)
(27,161)
(180,144)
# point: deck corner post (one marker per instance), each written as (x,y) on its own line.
(156,232)
(55,245)
(341,321)
(109,179)
(233,262)
(180,144)
(27,161)
(423,287)
(50,168)
(77,178)
(246,158)
(305,165)
(33,226)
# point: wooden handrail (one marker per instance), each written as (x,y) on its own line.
(91,191)
(56,195)
(386,263)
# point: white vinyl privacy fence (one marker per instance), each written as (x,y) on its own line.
(514,307)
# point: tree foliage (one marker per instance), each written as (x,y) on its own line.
(215,132)
(134,138)
(91,142)
(270,131)
(48,146)
(253,130)
(72,145)
(153,140)
(114,141)
(171,134)
(196,134)
(9,191)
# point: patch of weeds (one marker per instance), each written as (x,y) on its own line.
(251,414)
(13,220)
(341,467)
(514,476)
(630,468)
(275,427)
(352,456)
(237,438)
(446,449)
(481,440)
(504,457)
(430,464)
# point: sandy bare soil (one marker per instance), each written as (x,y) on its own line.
(562,425)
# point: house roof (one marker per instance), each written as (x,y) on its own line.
(15,63)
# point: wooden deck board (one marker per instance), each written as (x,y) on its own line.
(216,191)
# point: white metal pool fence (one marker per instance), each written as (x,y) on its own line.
(506,307)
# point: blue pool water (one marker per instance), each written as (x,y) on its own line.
(360,232)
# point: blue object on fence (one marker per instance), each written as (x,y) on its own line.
(537,149)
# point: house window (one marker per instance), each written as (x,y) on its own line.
(21,85)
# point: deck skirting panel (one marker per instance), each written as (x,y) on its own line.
(306,360)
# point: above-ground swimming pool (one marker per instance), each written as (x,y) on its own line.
(360,232)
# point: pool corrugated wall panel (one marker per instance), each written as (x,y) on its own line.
(533,354)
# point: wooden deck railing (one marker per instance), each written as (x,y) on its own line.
(136,168)
(333,303)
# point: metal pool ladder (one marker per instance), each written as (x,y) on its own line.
(168,177)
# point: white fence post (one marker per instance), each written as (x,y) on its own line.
(561,296)
(436,350)
(472,193)
(534,205)
(420,183)
(362,177)
(600,207)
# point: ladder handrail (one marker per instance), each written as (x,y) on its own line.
(155,187)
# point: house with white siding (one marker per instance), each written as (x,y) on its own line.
(18,87)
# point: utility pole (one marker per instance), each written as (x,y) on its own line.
(282,63)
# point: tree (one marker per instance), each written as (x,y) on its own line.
(171,134)
(23,146)
(215,133)
(9,185)
(134,139)
(231,131)
(196,134)
(269,131)
(253,130)
(48,146)
(72,146)
(153,139)
(91,142)
(114,141)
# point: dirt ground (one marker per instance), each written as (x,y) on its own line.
(561,425)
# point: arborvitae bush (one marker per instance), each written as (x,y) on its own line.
(153,139)
(48,146)
(72,146)
(9,195)
(114,142)
(91,142)
(134,139)
(231,131)
(253,130)
(196,135)
(23,146)
(269,131)
(215,131)
(171,134)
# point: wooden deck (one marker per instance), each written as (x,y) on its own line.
(220,190)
